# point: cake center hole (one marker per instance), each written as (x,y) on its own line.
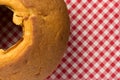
(10,33)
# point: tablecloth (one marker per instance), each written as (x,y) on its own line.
(94,45)
(93,51)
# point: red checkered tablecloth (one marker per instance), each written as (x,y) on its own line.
(94,45)
(93,51)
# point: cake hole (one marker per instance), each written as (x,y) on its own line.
(10,33)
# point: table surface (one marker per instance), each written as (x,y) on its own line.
(94,44)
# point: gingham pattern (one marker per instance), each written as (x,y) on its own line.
(94,46)
(93,51)
(9,32)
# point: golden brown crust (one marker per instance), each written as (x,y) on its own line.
(50,35)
